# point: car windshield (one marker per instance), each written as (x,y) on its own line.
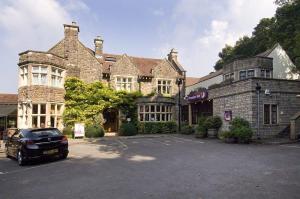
(45,133)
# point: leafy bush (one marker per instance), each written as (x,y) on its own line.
(243,134)
(213,122)
(68,131)
(240,130)
(94,131)
(187,130)
(239,122)
(227,134)
(157,127)
(128,129)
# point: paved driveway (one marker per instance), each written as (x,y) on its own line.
(168,167)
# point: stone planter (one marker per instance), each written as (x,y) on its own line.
(212,133)
(230,140)
(200,135)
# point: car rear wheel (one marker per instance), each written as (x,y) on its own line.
(64,156)
(20,158)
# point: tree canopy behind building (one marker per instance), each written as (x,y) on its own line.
(283,28)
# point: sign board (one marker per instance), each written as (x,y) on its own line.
(79,130)
(197,95)
(228,115)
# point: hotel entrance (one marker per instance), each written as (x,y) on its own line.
(111,120)
(198,106)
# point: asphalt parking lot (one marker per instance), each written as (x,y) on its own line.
(167,167)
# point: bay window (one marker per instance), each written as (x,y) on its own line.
(39,75)
(23,76)
(56,77)
(155,113)
(38,115)
(56,115)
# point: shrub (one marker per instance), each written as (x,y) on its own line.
(227,134)
(157,127)
(239,122)
(213,122)
(243,134)
(128,129)
(68,131)
(187,130)
(94,131)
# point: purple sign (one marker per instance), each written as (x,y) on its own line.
(228,115)
(197,95)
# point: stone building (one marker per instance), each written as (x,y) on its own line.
(8,111)
(42,75)
(260,89)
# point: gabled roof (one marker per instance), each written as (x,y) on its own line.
(209,76)
(145,65)
(8,98)
(268,52)
(191,80)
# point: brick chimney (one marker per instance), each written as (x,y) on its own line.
(71,30)
(172,56)
(98,41)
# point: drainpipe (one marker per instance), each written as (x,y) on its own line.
(258,88)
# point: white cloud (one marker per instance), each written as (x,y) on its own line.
(158,12)
(30,24)
(202,28)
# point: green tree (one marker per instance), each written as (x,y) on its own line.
(283,28)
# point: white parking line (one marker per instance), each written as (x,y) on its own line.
(186,139)
(125,147)
(291,146)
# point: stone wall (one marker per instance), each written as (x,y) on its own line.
(249,63)
(40,94)
(241,98)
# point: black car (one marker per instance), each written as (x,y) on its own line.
(29,144)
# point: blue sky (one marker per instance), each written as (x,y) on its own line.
(198,29)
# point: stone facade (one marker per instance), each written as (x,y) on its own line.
(242,99)
(41,76)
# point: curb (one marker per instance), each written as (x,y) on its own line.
(275,142)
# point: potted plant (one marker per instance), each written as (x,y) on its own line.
(200,130)
(229,137)
(212,125)
(241,130)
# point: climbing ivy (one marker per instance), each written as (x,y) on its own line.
(85,102)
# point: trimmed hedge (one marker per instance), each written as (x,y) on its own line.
(128,129)
(94,131)
(157,127)
(187,130)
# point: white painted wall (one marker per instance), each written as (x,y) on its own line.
(282,64)
(204,84)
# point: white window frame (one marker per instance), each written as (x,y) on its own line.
(23,75)
(57,115)
(39,74)
(39,115)
(128,84)
(168,87)
(58,77)
(158,113)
